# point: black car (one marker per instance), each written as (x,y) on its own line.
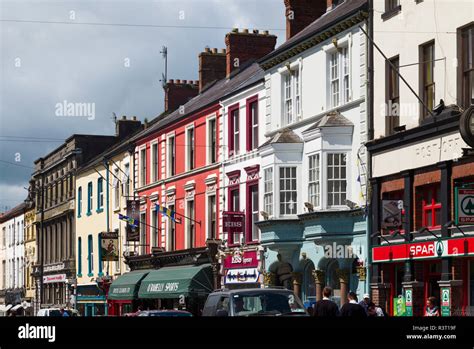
(165,313)
(253,302)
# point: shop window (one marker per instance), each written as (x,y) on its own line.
(309,286)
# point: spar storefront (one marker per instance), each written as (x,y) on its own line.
(424,259)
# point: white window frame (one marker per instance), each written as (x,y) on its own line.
(282,214)
(169,154)
(209,140)
(254,214)
(142,162)
(314,180)
(169,225)
(126,181)
(208,214)
(116,188)
(190,144)
(236,129)
(292,107)
(342,76)
(143,226)
(268,190)
(155,231)
(327,179)
(188,222)
(154,167)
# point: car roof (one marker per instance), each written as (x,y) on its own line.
(253,290)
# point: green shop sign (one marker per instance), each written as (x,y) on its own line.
(445,301)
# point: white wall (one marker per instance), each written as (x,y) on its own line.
(416,24)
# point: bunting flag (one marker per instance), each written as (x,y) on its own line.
(130,221)
(165,211)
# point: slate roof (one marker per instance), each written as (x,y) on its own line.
(332,119)
(339,13)
(247,75)
(284,136)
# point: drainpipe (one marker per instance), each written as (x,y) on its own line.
(370,132)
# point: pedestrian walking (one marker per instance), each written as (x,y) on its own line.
(431,307)
(352,308)
(365,302)
(63,312)
(326,307)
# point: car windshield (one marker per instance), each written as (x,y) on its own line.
(266,304)
(54,313)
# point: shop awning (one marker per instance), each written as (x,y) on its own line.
(173,282)
(125,287)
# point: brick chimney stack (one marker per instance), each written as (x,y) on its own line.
(211,66)
(125,127)
(244,46)
(178,92)
(301,13)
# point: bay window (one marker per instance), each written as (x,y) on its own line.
(336,179)
(288,191)
(268,190)
(313,180)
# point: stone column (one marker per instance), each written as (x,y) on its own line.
(454,291)
(380,294)
(319,280)
(296,279)
(418,298)
(343,276)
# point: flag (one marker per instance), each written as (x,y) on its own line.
(130,221)
(165,211)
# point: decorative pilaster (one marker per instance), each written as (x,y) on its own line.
(269,278)
(343,276)
(297,279)
(319,280)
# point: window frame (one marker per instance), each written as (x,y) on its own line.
(190,148)
(234,135)
(464,84)
(432,206)
(295,190)
(392,95)
(211,136)
(268,182)
(100,194)
(252,127)
(424,85)
(328,179)
(90,195)
(190,224)
(316,182)
(170,155)
(155,160)
(143,165)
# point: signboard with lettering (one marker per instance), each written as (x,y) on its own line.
(233,222)
(445,301)
(241,259)
(109,246)
(49,279)
(424,250)
(133,212)
(409,302)
(465,206)
(241,276)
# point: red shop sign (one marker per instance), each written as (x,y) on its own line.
(427,249)
(234,222)
(239,259)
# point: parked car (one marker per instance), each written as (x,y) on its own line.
(165,313)
(56,312)
(254,302)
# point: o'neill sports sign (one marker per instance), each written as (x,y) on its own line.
(423,250)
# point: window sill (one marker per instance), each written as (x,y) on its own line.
(100,274)
(253,242)
(100,210)
(79,275)
(90,274)
(391,13)
(233,245)
(89,214)
(79,216)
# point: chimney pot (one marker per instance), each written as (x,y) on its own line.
(235,30)
(207,49)
(214,50)
(124,117)
(255,31)
(178,81)
(171,81)
(222,50)
(304,12)
(265,32)
(134,118)
(245,31)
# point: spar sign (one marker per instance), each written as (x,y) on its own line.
(465,206)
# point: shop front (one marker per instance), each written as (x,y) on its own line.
(424,261)
(91,300)
(325,248)
(123,292)
(178,287)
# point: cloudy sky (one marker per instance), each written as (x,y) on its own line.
(106,53)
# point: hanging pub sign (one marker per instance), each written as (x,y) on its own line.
(233,222)
(109,246)
(466,126)
(133,215)
(392,214)
(465,206)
